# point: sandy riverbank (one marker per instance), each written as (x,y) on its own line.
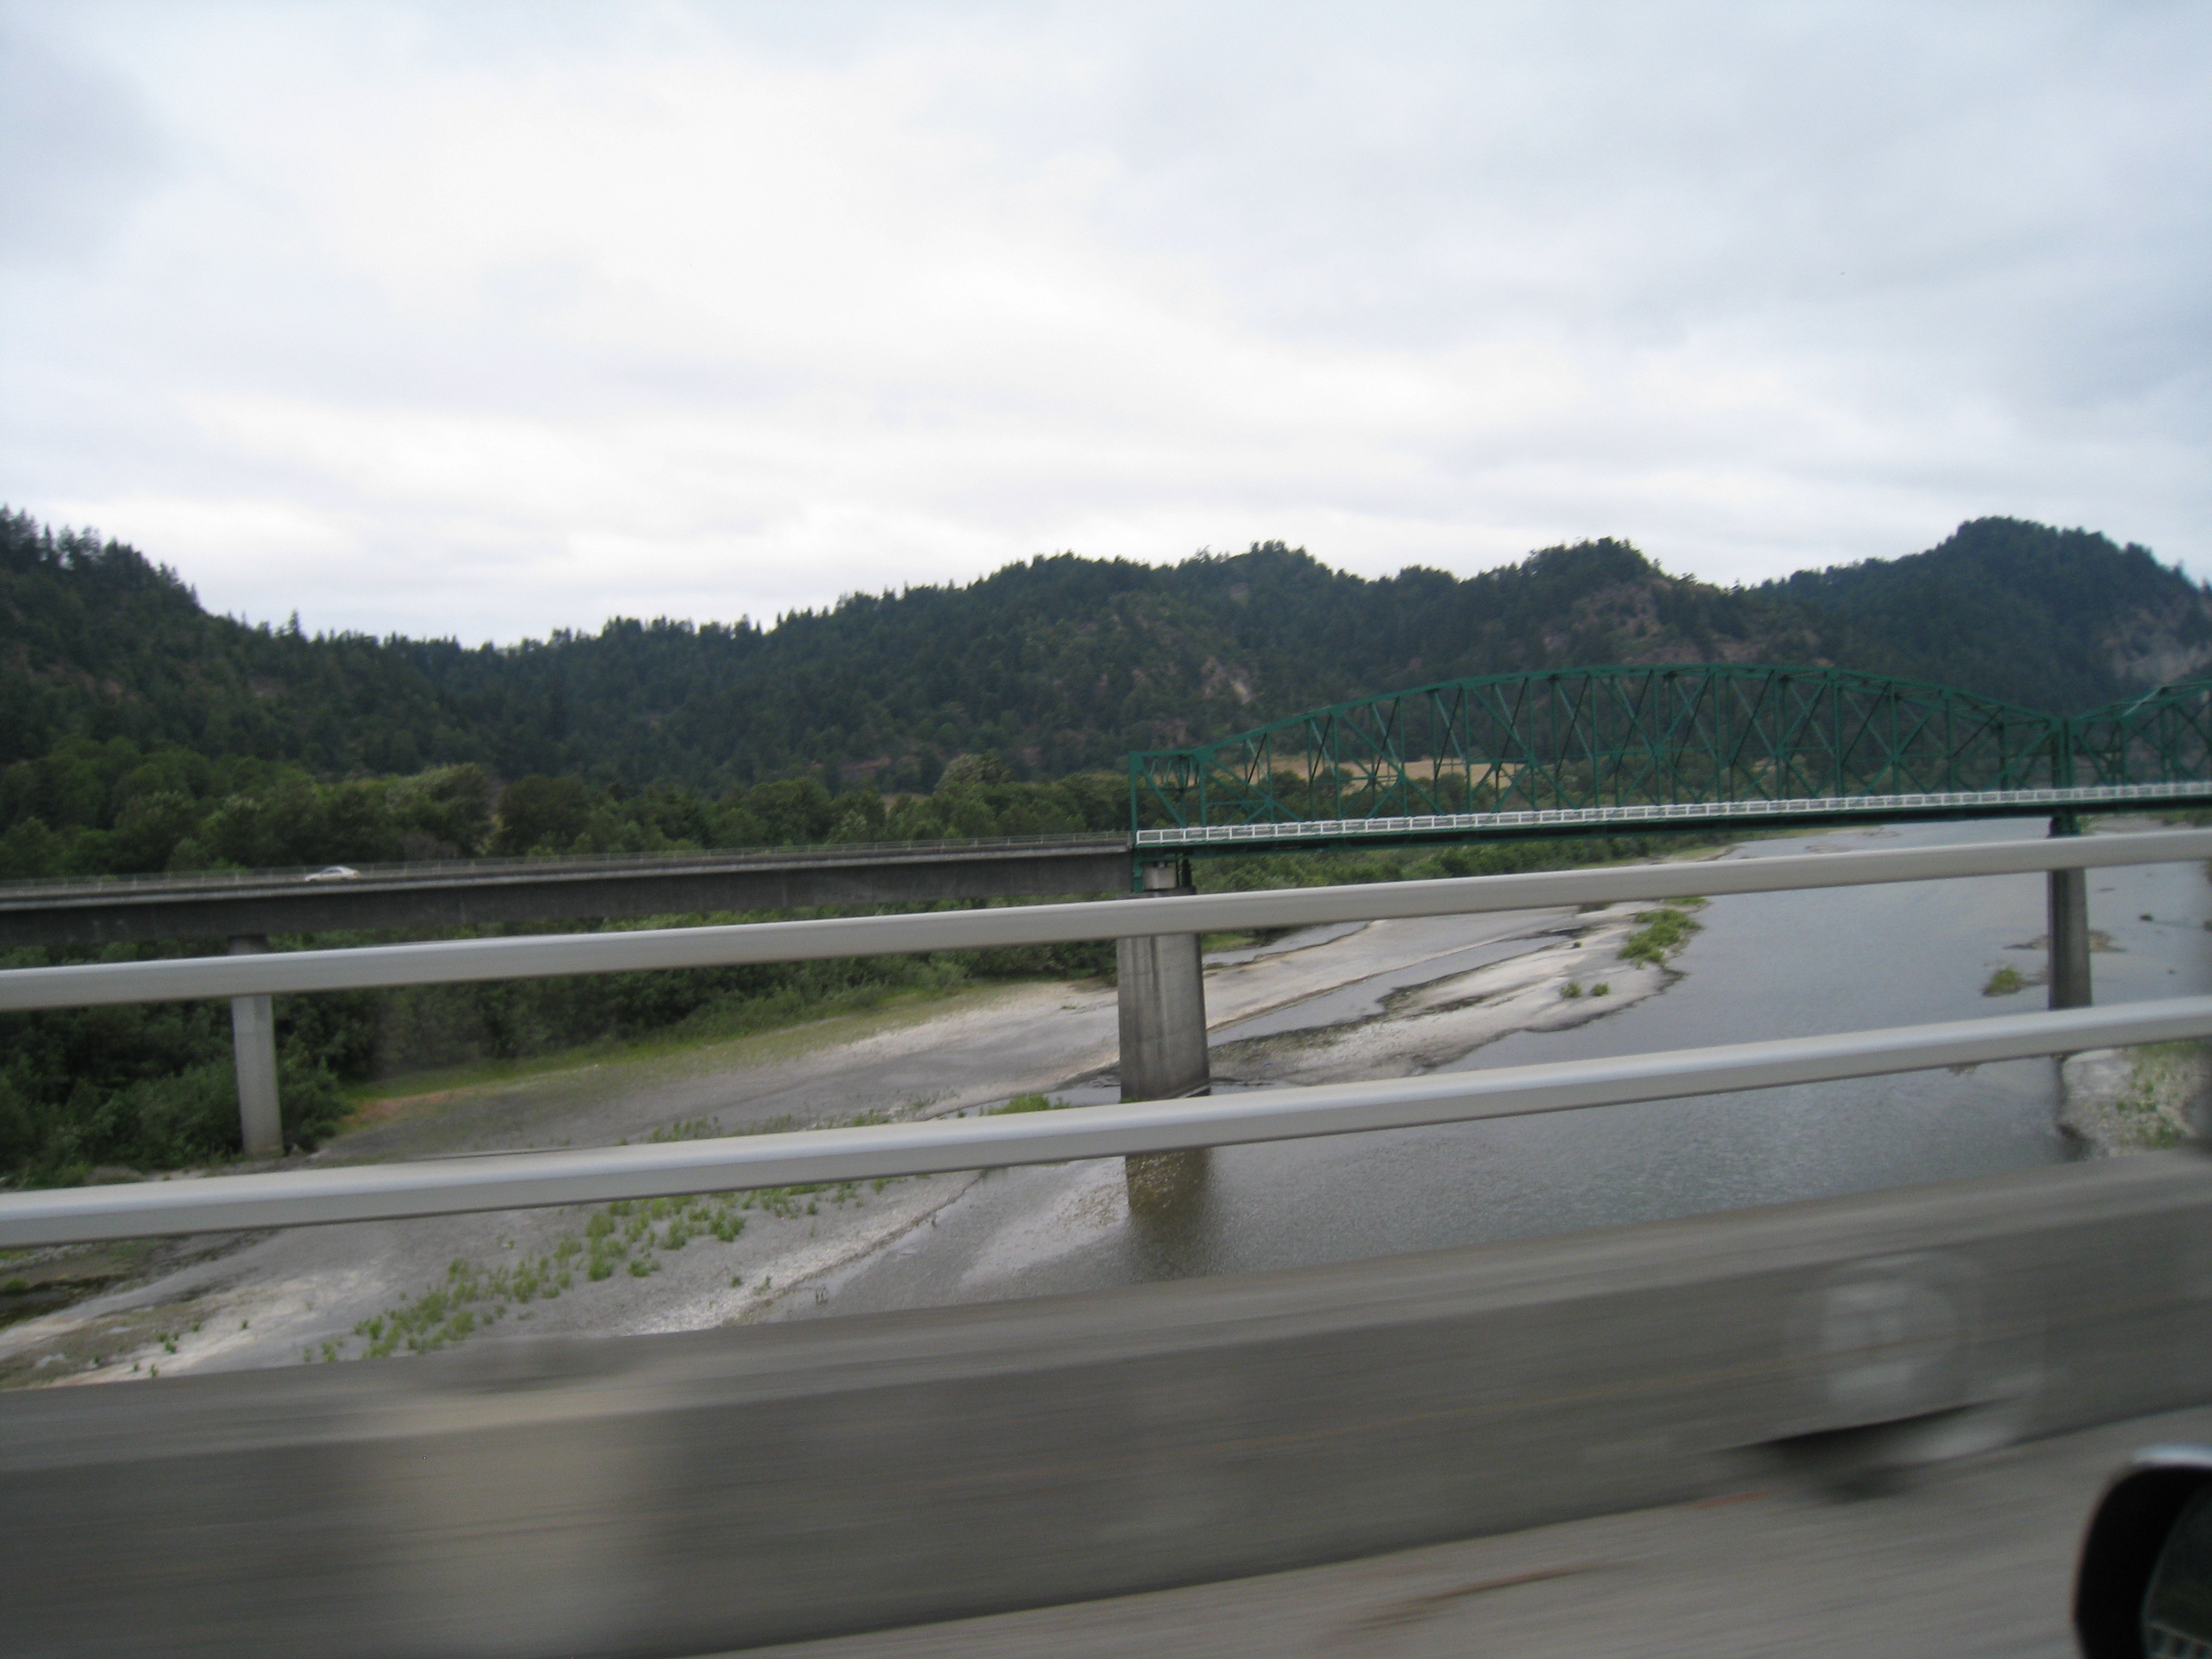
(1574,975)
(1384,999)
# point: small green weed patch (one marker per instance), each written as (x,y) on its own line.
(1663,932)
(1030,1102)
(628,1235)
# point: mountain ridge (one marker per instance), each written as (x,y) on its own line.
(1059,663)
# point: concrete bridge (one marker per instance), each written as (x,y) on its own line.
(480,892)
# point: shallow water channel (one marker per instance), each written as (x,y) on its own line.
(1764,965)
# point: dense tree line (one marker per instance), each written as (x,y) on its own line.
(96,640)
(94,808)
(1059,664)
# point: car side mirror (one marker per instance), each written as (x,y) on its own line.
(2143,1588)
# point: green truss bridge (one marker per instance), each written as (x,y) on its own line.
(1577,751)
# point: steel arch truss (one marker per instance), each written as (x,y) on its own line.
(2164,736)
(1516,752)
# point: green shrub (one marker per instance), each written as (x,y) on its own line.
(1663,932)
(1030,1102)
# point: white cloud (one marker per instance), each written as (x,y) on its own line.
(511,319)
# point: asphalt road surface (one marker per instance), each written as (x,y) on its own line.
(1971,1560)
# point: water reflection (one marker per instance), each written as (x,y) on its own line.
(1175,1214)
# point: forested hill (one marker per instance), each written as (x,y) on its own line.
(2058,620)
(1059,664)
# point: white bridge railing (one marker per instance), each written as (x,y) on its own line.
(305,1196)
(1985,801)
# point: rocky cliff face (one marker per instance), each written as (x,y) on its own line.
(2157,645)
(1636,623)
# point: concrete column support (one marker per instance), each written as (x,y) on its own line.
(2069,902)
(254,1053)
(1162,1008)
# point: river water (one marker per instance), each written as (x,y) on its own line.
(1764,965)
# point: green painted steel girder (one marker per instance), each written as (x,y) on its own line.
(1705,738)
(2164,736)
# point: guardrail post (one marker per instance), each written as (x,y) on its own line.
(2068,910)
(1163,1007)
(254,1053)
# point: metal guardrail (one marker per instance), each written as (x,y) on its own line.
(544,955)
(520,1180)
(1991,800)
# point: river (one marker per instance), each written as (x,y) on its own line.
(1764,965)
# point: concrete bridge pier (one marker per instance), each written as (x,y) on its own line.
(253,1053)
(1162,1008)
(2068,902)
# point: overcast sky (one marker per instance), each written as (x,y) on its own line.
(488,320)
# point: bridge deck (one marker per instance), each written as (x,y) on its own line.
(1586,820)
(473,892)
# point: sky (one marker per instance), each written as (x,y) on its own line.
(485,321)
